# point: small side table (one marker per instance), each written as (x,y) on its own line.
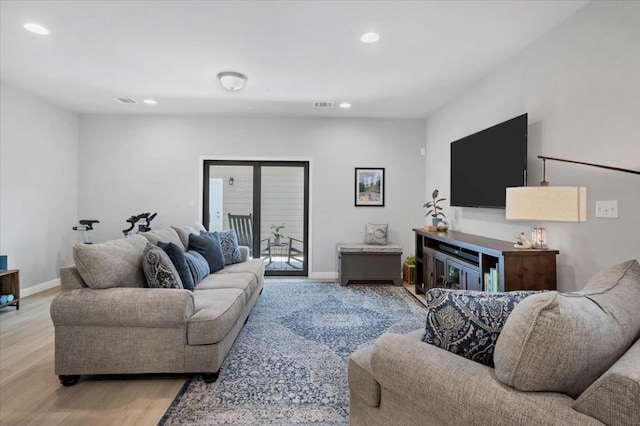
(10,284)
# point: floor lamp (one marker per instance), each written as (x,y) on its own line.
(549,203)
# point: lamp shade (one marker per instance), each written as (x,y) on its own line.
(549,203)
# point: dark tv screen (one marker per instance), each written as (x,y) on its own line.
(484,164)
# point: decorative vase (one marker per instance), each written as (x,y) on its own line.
(435,221)
(442,226)
(276,241)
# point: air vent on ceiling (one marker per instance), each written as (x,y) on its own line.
(323,104)
(126,100)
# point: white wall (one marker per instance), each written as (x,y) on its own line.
(131,164)
(38,186)
(580,85)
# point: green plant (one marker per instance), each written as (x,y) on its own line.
(275,230)
(432,206)
(411,260)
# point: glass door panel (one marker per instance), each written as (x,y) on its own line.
(282,217)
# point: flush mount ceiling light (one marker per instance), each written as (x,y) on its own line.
(150,101)
(370,37)
(345,105)
(36,28)
(232,80)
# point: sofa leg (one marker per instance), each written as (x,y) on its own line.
(210,377)
(69,380)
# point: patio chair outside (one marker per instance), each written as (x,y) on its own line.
(296,252)
(243,225)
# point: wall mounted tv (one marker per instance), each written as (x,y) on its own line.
(484,164)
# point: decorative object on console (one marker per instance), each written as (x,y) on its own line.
(522,242)
(468,323)
(369,188)
(3,262)
(433,209)
(375,234)
(442,226)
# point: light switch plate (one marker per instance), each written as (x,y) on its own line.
(607,209)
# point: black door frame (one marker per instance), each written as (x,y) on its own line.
(257,202)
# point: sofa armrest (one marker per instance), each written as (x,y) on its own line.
(450,389)
(123,307)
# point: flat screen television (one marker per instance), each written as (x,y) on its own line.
(485,163)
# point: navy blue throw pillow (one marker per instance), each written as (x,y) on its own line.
(468,323)
(176,255)
(208,245)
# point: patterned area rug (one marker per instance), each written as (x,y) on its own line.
(289,363)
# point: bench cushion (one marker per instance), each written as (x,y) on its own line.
(368,248)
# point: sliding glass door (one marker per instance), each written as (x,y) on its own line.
(267,204)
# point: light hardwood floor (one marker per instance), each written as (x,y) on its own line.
(30,393)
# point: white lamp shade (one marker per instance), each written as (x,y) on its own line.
(548,203)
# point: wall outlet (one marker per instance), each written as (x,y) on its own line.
(607,209)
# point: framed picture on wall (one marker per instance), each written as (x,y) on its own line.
(369,186)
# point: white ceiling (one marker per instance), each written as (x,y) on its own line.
(293,52)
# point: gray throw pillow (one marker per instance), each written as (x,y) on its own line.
(229,242)
(158,268)
(208,245)
(375,234)
(198,266)
(468,323)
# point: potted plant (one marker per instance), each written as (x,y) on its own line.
(277,236)
(433,209)
(409,270)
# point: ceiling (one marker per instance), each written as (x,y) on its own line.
(293,52)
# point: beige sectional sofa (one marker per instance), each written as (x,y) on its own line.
(561,359)
(107,321)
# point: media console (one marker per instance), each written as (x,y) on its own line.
(463,261)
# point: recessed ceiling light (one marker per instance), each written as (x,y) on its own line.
(345,105)
(232,80)
(150,101)
(36,28)
(370,37)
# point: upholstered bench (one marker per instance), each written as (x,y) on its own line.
(367,262)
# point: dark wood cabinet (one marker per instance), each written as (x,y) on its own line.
(462,261)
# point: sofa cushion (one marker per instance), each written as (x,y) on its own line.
(253,266)
(158,268)
(198,266)
(208,245)
(375,234)
(614,398)
(562,342)
(185,230)
(229,243)
(177,256)
(468,323)
(246,282)
(116,263)
(167,235)
(216,311)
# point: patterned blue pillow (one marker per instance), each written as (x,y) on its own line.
(468,323)
(158,268)
(197,265)
(230,249)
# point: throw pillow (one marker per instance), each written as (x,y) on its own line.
(375,234)
(198,266)
(176,254)
(208,245)
(158,269)
(562,342)
(468,323)
(229,243)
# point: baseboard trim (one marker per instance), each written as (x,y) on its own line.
(323,276)
(24,292)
